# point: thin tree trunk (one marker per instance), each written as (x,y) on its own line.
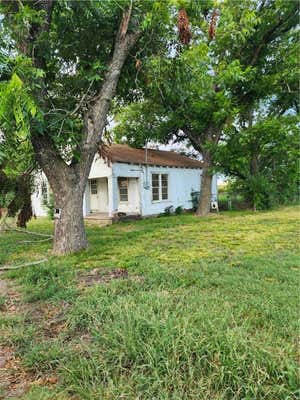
(253,172)
(3,217)
(205,193)
(204,144)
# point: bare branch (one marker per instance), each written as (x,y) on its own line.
(11,267)
(124,22)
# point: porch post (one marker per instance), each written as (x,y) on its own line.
(112,182)
(86,200)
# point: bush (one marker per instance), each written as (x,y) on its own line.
(178,210)
(195,199)
(168,210)
(257,192)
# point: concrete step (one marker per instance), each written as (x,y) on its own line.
(98,222)
(98,219)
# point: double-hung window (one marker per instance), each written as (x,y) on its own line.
(94,189)
(123,189)
(159,187)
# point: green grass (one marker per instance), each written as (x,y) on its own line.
(209,311)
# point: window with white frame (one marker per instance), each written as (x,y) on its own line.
(94,189)
(159,187)
(123,189)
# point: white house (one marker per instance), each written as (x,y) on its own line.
(136,182)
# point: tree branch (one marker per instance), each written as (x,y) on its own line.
(267,37)
(95,117)
(49,159)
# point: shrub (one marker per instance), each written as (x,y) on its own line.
(178,210)
(195,199)
(168,210)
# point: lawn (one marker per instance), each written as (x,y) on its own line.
(165,308)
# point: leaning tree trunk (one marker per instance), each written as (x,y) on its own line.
(69,230)
(205,193)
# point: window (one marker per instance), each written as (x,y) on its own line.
(164,187)
(123,189)
(94,189)
(159,187)
(155,186)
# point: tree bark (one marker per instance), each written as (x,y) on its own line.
(211,136)
(69,230)
(205,192)
(68,184)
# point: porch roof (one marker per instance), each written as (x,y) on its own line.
(126,154)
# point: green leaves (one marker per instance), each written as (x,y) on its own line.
(17,107)
(263,159)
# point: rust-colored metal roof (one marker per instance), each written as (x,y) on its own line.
(126,154)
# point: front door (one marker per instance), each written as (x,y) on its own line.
(94,195)
(99,195)
(103,195)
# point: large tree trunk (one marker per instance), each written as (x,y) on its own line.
(69,230)
(205,193)
(68,184)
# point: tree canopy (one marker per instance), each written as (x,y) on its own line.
(233,64)
(263,160)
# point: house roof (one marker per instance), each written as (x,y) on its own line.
(126,154)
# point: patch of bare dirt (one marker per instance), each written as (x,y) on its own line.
(99,276)
(50,317)
(11,295)
(15,380)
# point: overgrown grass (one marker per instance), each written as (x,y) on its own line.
(209,311)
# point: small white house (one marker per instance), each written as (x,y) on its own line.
(137,182)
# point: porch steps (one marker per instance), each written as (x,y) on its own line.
(99,219)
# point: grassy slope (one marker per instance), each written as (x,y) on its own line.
(210,311)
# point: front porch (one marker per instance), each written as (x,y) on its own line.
(106,198)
